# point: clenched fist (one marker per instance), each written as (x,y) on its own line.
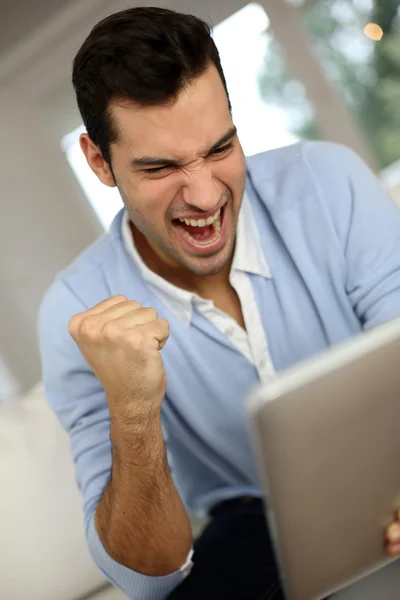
(120,341)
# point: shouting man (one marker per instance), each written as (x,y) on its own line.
(247,266)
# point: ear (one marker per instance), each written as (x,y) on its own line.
(95,160)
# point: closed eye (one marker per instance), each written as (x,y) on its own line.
(217,151)
(155,170)
(223,149)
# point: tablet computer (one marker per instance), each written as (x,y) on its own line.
(327,446)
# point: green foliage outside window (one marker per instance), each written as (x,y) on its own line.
(366,72)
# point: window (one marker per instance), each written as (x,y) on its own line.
(105,201)
(243,43)
(358,44)
(243,40)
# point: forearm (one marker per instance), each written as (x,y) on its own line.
(140,518)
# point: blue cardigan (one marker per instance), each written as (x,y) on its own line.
(331,236)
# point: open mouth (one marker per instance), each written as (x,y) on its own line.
(201,232)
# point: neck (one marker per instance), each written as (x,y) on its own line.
(203,285)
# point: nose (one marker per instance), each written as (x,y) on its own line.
(201,189)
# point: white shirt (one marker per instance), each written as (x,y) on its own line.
(248,258)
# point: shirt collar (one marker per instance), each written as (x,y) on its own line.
(248,257)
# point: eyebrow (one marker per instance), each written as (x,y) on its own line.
(159,161)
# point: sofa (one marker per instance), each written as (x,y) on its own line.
(43,553)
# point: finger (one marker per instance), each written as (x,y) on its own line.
(393,533)
(106,304)
(157,333)
(119,310)
(92,321)
(124,317)
(76,321)
(120,307)
(162,343)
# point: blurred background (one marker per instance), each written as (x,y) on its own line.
(296,69)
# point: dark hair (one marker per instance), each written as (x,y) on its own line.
(147,55)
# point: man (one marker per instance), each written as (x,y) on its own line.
(248,267)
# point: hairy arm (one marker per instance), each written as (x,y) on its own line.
(140,518)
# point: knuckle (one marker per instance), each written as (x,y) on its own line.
(111,331)
(73,324)
(164,324)
(152,313)
(134,304)
(89,327)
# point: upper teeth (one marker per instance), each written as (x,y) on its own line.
(202,222)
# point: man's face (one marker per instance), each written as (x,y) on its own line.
(180,170)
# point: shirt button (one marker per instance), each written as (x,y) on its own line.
(229,332)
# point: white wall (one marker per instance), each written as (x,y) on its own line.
(45,221)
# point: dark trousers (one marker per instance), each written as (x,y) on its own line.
(233,557)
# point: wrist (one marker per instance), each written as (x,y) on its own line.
(137,442)
(132,410)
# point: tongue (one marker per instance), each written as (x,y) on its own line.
(199,233)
